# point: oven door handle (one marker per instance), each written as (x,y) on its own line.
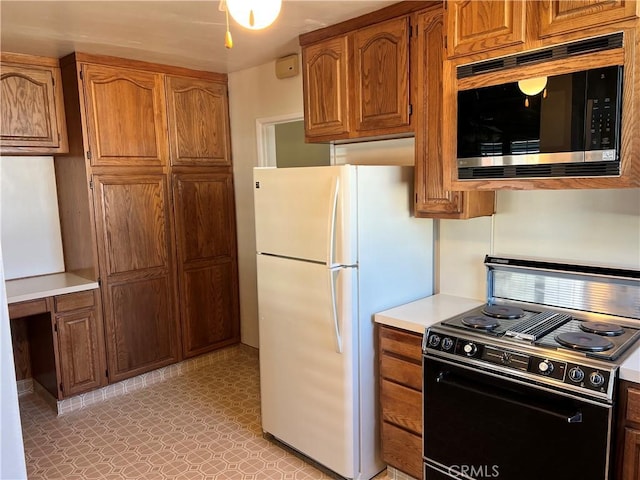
(503,396)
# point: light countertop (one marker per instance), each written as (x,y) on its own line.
(418,315)
(23,289)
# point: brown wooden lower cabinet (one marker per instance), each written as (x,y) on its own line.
(628,440)
(400,358)
(81,355)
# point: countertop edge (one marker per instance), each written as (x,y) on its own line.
(33,288)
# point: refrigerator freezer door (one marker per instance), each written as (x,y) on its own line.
(306,213)
(307,386)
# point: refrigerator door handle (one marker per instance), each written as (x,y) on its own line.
(334,309)
(331,227)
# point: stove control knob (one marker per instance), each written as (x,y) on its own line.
(470,349)
(545,367)
(576,374)
(434,340)
(447,343)
(596,379)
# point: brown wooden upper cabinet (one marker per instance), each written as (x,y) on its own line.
(562,16)
(31,106)
(325,88)
(126,120)
(198,122)
(356,84)
(433,200)
(478,26)
(381,76)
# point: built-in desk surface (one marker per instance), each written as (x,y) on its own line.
(32,288)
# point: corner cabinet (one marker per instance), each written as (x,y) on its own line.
(400,361)
(433,200)
(31,106)
(628,440)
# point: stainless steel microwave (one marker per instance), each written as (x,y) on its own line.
(557,126)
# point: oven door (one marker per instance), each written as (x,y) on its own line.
(478,426)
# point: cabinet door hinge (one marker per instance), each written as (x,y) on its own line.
(99,279)
(88,154)
(55,327)
(91,184)
(445,42)
(106,373)
(410,109)
(81,75)
(61,387)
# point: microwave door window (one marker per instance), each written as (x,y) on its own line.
(497,121)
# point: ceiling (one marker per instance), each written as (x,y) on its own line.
(185,33)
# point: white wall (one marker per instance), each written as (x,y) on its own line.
(581,226)
(253,93)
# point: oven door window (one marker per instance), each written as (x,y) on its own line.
(477,426)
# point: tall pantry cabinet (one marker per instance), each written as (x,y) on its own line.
(149,144)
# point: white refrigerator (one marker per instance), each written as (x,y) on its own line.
(334,246)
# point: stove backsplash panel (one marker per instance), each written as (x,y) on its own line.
(578,290)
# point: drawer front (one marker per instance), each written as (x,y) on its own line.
(401,371)
(633,405)
(31,307)
(402,450)
(401,406)
(400,342)
(74,301)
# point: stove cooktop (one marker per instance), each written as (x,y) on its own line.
(604,340)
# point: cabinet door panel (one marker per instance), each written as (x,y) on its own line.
(631,465)
(325,88)
(381,75)
(209,307)
(401,406)
(562,16)
(31,110)
(481,25)
(141,332)
(125,115)
(81,363)
(204,214)
(136,267)
(205,230)
(134,220)
(198,122)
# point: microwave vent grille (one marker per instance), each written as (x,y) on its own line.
(557,52)
(587,169)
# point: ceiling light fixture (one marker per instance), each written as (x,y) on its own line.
(251,14)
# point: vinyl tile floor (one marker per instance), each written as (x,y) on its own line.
(204,424)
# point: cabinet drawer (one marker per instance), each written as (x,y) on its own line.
(401,371)
(401,406)
(633,405)
(405,344)
(402,450)
(30,307)
(74,301)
